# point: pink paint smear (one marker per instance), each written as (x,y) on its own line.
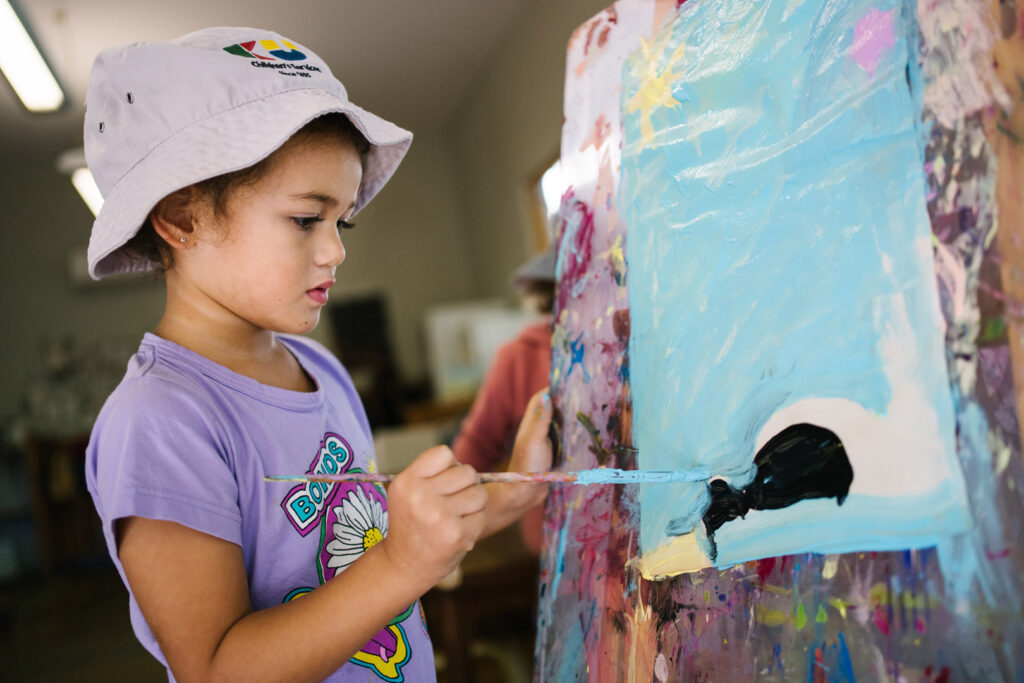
(872,36)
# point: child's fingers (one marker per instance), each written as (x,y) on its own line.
(431,462)
(455,478)
(537,417)
(468,500)
(532,449)
(475,523)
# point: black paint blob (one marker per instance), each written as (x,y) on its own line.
(800,462)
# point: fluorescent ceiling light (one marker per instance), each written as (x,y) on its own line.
(72,163)
(81,178)
(24,66)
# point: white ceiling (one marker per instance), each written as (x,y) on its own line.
(407,60)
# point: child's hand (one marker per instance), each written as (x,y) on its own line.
(532,449)
(436,513)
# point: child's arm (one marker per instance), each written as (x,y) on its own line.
(193,592)
(531,453)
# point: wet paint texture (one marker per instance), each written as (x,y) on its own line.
(943,614)
(780,260)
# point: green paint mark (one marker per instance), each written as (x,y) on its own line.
(994,330)
(768,616)
(801,616)
(822,616)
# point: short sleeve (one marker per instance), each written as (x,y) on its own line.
(157,451)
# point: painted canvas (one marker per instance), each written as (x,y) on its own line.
(786,331)
(916,104)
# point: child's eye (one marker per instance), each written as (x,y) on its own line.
(306,222)
(345,225)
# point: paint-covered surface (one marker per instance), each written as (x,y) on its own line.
(781,272)
(948,612)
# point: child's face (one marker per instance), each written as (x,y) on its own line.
(269,260)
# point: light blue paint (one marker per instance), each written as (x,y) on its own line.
(573,645)
(608,475)
(563,536)
(771,226)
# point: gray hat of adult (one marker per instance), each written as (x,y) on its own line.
(162,116)
(539,267)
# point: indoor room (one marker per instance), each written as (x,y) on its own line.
(421,303)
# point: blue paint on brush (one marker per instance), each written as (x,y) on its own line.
(613,476)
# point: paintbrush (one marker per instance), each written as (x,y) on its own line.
(602,475)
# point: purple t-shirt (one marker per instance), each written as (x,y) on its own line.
(187,440)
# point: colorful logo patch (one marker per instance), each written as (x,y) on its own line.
(269,50)
(306,503)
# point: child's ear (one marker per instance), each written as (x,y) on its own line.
(172,217)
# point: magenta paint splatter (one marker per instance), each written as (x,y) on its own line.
(872,36)
(576,229)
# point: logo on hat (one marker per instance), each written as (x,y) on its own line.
(266,49)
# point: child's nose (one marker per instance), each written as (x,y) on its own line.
(331,251)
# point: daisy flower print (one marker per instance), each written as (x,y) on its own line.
(361,523)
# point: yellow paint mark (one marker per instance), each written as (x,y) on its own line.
(611,309)
(917,641)
(831,566)
(839,605)
(822,616)
(707,596)
(778,590)
(725,641)
(801,616)
(769,617)
(655,88)
(681,555)
(618,257)
(555,374)
(879,595)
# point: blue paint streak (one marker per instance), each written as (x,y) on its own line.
(563,536)
(772,225)
(608,475)
(845,664)
(573,646)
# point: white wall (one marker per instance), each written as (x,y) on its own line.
(508,131)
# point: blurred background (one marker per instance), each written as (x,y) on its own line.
(421,304)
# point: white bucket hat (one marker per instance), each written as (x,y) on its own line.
(162,116)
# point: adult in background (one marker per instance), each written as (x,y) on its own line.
(520,369)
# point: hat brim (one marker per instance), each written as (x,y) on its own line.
(245,135)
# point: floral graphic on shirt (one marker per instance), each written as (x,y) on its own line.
(363,523)
(351,518)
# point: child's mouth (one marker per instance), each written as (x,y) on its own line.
(317,294)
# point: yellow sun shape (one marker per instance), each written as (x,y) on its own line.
(655,86)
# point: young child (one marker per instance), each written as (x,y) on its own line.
(231,159)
